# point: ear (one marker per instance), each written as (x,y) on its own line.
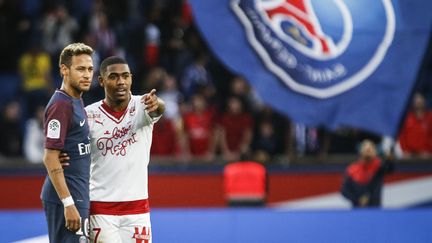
(63,70)
(101,81)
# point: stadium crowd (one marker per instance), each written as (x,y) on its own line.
(211,113)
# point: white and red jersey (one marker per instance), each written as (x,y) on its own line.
(120,151)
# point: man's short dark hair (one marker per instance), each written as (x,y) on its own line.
(110,61)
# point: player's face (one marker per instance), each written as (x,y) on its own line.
(117,82)
(80,74)
(368,151)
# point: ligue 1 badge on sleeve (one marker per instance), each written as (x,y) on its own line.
(53,129)
(83,239)
(319,48)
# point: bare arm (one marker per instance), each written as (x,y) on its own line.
(55,173)
(246,141)
(214,139)
(184,140)
(220,133)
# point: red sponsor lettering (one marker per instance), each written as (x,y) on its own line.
(144,236)
(117,143)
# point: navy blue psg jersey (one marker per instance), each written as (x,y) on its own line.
(67,130)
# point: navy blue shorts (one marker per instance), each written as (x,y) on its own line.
(57,231)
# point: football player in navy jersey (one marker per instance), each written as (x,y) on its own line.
(65,193)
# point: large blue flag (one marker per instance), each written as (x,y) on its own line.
(323,62)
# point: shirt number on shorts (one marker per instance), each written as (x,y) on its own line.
(97,230)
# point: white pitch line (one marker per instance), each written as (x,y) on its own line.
(39,239)
(395,195)
(408,193)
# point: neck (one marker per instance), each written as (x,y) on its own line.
(70,90)
(367,159)
(117,105)
(419,113)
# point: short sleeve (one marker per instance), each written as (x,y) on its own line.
(58,118)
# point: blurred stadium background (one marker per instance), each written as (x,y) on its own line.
(166,51)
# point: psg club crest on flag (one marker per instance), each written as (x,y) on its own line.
(317,48)
(330,63)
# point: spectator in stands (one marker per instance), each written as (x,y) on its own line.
(415,138)
(172,97)
(152,38)
(306,140)
(175,53)
(196,77)
(236,130)
(240,88)
(34,137)
(265,140)
(198,136)
(10,130)
(153,79)
(165,139)
(35,72)
(278,122)
(105,37)
(363,180)
(58,30)
(166,131)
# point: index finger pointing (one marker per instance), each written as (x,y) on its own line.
(152,92)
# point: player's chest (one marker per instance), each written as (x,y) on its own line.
(104,127)
(115,138)
(79,124)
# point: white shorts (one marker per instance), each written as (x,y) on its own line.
(134,228)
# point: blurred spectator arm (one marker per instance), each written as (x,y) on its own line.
(220,138)
(33,143)
(348,190)
(213,143)
(183,140)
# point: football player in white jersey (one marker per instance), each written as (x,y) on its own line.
(121,128)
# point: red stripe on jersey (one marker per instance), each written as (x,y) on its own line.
(120,208)
(116,116)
